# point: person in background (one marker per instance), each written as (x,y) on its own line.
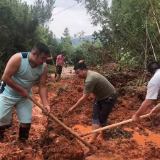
(60,62)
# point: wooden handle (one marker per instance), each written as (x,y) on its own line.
(54,64)
(50,115)
(114,125)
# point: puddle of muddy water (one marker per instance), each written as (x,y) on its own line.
(82,129)
(142,139)
(139,138)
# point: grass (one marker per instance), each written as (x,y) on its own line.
(51,68)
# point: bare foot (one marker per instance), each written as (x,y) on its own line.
(101,137)
(92,140)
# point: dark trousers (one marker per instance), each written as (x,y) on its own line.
(2,87)
(59,69)
(102,109)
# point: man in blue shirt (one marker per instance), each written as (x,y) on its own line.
(22,71)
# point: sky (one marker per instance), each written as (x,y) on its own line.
(75,18)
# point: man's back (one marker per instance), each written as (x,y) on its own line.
(153,87)
(98,85)
(156,78)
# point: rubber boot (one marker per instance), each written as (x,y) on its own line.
(23,133)
(2,130)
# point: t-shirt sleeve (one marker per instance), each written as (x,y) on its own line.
(89,87)
(152,91)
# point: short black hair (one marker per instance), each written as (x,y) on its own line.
(43,48)
(153,66)
(80,66)
(63,52)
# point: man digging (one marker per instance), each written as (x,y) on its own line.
(105,97)
(21,73)
(153,90)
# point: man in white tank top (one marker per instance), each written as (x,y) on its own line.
(153,90)
(22,71)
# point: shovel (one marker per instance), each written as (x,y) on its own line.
(113,125)
(52,117)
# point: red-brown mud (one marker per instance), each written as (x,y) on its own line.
(50,141)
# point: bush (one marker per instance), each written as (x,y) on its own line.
(51,68)
(127,60)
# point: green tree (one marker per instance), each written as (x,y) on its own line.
(67,45)
(18,26)
(128,26)
(41,11)
(66,32)
(91,52)
(46,36)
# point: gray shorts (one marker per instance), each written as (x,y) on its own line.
(23,107)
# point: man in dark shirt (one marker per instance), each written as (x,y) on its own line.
(105,97)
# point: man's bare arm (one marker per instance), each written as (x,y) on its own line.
(10,70)
(79,102)
(43,89)
(143,108)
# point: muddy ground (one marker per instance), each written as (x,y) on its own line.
(49,141)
